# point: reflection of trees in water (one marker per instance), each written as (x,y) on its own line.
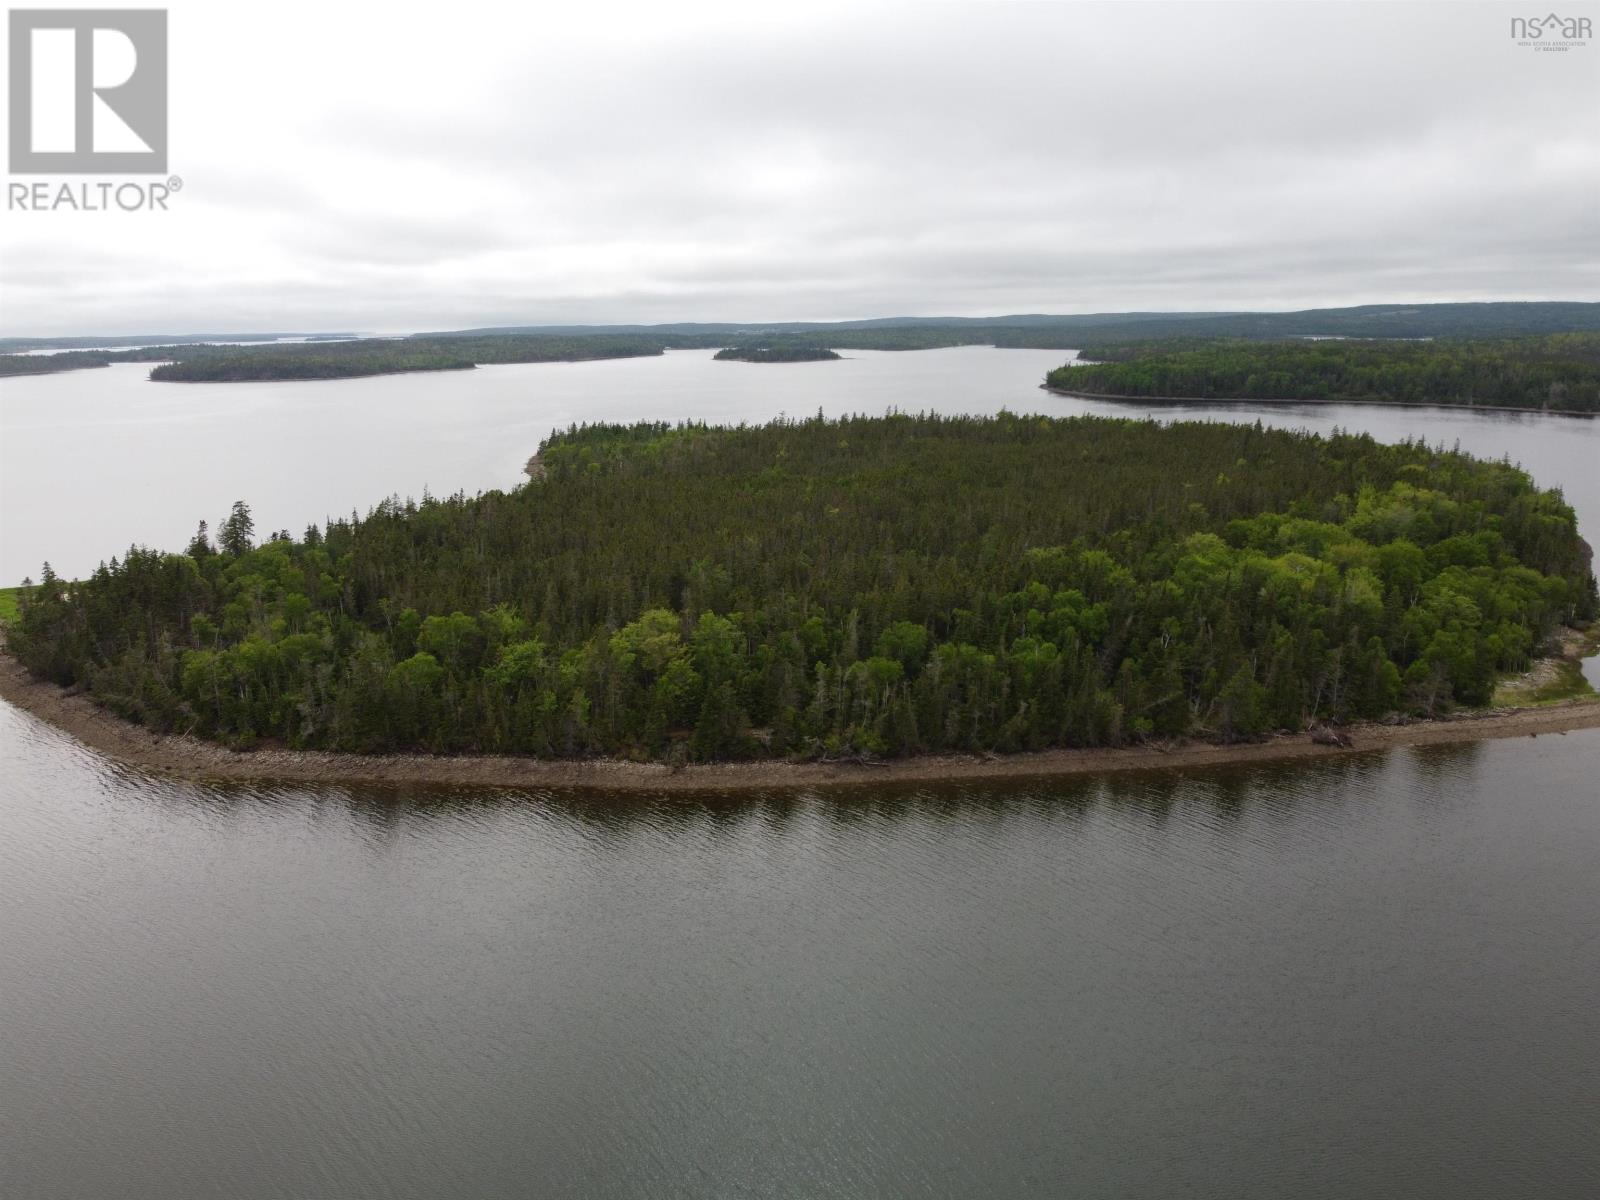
(383,813)
(1444,776)
(1446,758)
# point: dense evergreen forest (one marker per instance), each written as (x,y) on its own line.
(777,352)
(865,586)
(1555,372)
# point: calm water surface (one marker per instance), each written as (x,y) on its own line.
(1371,976)
(1374,976)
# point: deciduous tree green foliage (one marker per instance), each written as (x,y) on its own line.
(880,586)
(1558,372)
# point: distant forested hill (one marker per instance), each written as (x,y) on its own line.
(435,351)
(1557,372)
(818,588)
(1042,330)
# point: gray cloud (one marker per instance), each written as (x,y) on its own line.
(730,164)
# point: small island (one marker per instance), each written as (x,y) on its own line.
(853,590)
(777,352)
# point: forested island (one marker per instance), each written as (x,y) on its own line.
(340,360)
(327,359)
(869,587)
(776,352)
(1551,373)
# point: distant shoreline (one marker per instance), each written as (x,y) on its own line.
(319,378)
(191,758)
(1504,408)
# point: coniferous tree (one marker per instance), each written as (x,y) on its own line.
(200,545)
(237,531)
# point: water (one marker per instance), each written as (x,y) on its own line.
(1360,977)
(1370,975)
(146,461)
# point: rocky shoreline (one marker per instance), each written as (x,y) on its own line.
(192,758)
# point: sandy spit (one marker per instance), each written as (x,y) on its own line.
(192,758)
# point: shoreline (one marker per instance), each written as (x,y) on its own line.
(188,757)
(1500,408)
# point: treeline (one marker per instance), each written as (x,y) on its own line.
(1044,330)
(329,359)
(1557,372)
(47,364)
(912,337)
(819,588)
(776,352)
(1492,319)
(546,348)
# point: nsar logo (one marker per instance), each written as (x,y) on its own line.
(1551,32)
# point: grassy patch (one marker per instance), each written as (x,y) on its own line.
(1552,680)
(1563,681)
(8,603)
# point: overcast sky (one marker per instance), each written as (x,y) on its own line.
(385,167)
